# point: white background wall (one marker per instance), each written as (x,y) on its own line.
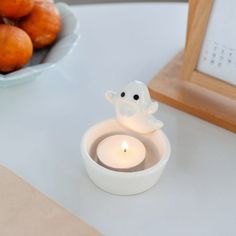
(100,1)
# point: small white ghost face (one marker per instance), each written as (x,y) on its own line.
(134,108)
(133,99)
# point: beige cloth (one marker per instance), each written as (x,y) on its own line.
(26,212)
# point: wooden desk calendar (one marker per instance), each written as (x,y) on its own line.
(201,80)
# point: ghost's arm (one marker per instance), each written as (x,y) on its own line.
(110,95)
(153,107)
(153,122)
(159,124)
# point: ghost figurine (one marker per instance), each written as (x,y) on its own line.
(134,108)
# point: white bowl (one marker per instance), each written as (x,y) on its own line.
(45,59)
(124,183)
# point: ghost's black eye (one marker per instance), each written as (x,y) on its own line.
(122,94)
(136,97)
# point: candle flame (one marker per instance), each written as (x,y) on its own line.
(124,146)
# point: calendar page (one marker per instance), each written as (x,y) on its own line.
(218,54)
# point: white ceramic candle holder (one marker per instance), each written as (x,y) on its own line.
(154,140)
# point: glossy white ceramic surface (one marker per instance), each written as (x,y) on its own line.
(124,183)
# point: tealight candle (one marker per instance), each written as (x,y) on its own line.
(121,153)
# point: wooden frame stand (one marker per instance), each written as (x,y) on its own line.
(169,88)
(180,85)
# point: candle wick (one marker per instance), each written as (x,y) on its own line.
(125,150)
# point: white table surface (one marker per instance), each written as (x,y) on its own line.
(41,124)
